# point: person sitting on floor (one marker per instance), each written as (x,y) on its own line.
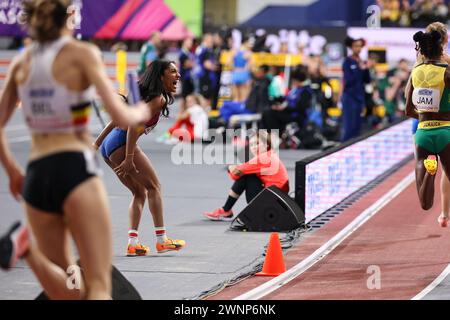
(191,124)
(265,169)
(299,102)
(257,101)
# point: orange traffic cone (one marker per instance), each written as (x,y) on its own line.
(274,263)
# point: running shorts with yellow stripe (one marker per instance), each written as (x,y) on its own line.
(433,135)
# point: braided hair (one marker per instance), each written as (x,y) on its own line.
(429,44)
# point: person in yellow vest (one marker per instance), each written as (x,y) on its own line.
(428,99)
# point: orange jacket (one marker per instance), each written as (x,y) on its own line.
(268,167)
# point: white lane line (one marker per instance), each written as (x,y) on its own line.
(324,250)
(433,285)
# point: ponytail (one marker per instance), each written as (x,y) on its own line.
(428,43)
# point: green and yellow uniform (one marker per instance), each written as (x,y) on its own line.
(431,96)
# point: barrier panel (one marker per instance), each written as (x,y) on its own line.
(324,180)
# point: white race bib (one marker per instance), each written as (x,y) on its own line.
(426,99)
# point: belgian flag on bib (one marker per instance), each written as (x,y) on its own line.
(80,114)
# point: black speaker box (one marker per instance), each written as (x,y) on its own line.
(272,210)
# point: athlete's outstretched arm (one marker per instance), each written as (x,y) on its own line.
(92,65)
(410,110)
(133,134)
(127,164)
(106,130)
(155,106)
(8,102)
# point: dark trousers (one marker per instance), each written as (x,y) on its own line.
(273,119)
(352,119)
(250,183)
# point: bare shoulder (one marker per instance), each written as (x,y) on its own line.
(157,103)
(84,51)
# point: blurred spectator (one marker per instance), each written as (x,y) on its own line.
(441,10)
(320,83)
(258,99)
(205,70)
(150,51)
(192,124)
(277,88)
(323,98)
(186,61)
(220,45)
(260,43)
(119,46)
(424,12)
(405,14)
(356,76)
(372,95)
(284,48)
(394,96)
(393,88)
(402,68)
(241,70)
(295,109)
(408,13)
(390,12)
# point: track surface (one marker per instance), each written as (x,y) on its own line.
(401,241)
(212,255)
(402,244)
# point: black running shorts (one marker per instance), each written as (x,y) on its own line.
(51,179)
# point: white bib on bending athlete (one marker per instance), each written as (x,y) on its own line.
(427,99)
(49,106)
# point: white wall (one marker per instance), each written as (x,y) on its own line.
(399,42)
(248,8)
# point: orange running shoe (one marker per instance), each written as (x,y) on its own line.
(137,250)
(443,221)
(170,245)
(219,215)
